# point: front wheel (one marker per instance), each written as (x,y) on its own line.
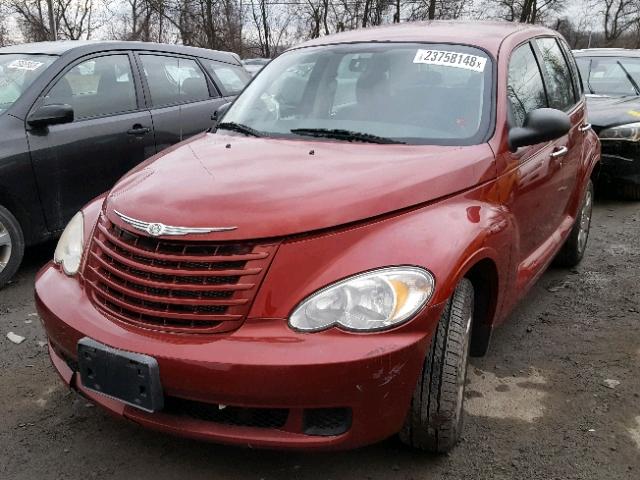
(573,250)
(434,422)
(11,245)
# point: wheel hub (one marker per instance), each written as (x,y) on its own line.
(5,247)
(585,220)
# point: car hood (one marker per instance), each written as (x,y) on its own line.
(606,111)
(273,187)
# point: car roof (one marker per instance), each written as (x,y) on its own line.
(484,34)
(64,47)
(607,52)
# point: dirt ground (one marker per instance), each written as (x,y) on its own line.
(545,403)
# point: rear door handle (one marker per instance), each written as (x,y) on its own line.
(584,127)
(138,130)
(561,152)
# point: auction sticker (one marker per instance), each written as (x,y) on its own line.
(450,59)
(25,65)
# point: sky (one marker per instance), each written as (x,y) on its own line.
(573,9)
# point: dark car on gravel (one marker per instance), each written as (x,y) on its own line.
(611,80)
(75,116)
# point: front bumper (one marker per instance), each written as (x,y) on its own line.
(620,162)
(262,365)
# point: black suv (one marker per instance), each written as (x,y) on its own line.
(75,116)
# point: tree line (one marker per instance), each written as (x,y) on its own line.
(266,27)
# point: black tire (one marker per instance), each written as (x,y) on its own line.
(435,418)
(574,247)
(630,192)
(10,254)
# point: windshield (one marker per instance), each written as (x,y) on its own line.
(397,92)
(610,75)
(17,72)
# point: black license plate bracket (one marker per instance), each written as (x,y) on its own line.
(132,378)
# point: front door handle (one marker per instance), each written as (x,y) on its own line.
(584,127)
(138,130)
(561,152)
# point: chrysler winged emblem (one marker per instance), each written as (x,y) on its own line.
(157,229)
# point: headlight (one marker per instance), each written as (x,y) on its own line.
(629,132)
(71,245)
(369,301)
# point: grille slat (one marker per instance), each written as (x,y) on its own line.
(183,256)
(177,286)
(138,262)
(168,297)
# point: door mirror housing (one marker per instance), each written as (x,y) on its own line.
(540,125)
(51,115)
(219,113)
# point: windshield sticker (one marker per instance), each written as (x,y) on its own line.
(451,59)
(29,65)
(634,113)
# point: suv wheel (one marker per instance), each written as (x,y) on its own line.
(573,250)
(434,422)
(11,246)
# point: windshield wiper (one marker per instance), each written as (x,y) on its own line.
(629,77)
(341,134)
(240,128)
(589,77)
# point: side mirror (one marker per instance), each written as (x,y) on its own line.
(219,113)
(540,125)
(51,115)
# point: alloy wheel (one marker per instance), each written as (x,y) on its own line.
(585,220)
(5,247)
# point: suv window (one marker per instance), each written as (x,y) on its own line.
(232,78)
(436,94)
(575,74)
(558,79)
(174,80)
(96,87)
(525,87)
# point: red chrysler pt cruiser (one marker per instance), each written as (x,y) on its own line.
(315,272)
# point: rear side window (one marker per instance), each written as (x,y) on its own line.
(575,74)
(96,87)
(558,78)
(231,78)
(525,88)
(174,80)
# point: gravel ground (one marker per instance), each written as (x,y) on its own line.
(545,403)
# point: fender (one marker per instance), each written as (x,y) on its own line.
(590,162)
(469,230)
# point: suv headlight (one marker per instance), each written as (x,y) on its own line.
(629,132)
(71,245)
(369,301)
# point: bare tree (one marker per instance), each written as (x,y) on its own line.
(619,16)
(271,22)
(528,11)
(439,9)
(75,19)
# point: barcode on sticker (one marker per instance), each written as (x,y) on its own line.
(25,65)
(450,59)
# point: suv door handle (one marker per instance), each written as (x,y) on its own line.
(584,127)
(561,152)
(138,130)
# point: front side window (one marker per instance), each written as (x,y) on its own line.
(96,87)
(17,73)
(398,92)
(617,76)
(232,78)
(558,79)
(525,88)
(174,80)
